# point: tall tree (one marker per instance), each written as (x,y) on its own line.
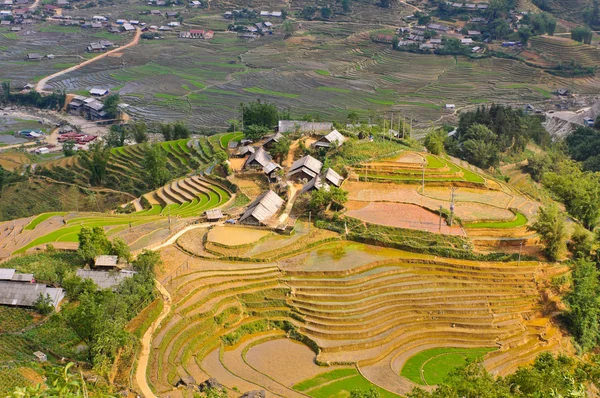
(584,305)
(550,226)
(155,165)
(111,106)
(139,132)
(96,161)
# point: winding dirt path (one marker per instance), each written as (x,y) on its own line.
(39,87)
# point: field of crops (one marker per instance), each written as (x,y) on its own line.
(348,303)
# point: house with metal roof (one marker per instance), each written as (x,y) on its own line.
(314,184)
(104,279)
(11,275)
(257,160)
(270,170)
(25,294)
(335,139)
(214,215)
(332,177)
(305,168)
(245,150)
(98,91)
(272,140)
(262,209)
(106,261)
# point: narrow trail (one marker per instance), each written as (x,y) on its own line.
(39,87)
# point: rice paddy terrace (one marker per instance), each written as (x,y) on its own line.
(353,306)
(389,192)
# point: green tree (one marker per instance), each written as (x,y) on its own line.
(3,175)
(155,166)
(147,261)
(281,148)
(584,305)
(370,393)
(581,242)
(139,132)
(289,28)
(434,141)
(95,161)
(323,199)
(260,113)
(346,5)
(180,131)
(582,34)
(166,130)
(256,132)
(111,106)
(69,148)
(326,12)
(353,117)
(550,227)
(120,248)
(92,242)
(479,146)
(43,305)
(116,136)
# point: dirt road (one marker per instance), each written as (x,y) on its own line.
(39,87)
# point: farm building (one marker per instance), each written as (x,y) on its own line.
(270,170)
(104,279)
(11,275)
(262,209)
(33,57)
(76,105)
(173,24)
(438,27)
(99,92)
(315,184)
(25,294)
(288,126)
(449,106)
(95,48)
(272,140)
(128,27)
(106,262)
(466,41)
(245,150)
(305,168)
(335,138)
(29,133)
(93,109)
(214,215)
(332,177)
(99,18)
(257,160)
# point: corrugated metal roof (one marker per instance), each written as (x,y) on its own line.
(26,294)
(308,162)
(260,156)
(263,207)
(315,183)
(333,177)
(6,274)
(22,277)
(270,167)
(214,214)
(104,279)
(334,136)
(246,149)
(291,125)
(275,137)
(106,261)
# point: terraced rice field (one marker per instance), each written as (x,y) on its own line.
(563,50)
(351,304)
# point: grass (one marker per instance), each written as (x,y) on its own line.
(258,90)
(519,221)
(339,384)
(324,378)
(435,364)
(323,72)
(41,218)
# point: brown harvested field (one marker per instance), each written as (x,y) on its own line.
(405,193)
(408,157)
(237,163)
(402,215)
(249,186)
(12,161)
(266,358)
(236,236)
(470,195)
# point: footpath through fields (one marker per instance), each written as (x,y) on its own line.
(39,87)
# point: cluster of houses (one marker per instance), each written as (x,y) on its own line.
(468,6)
(307,171)
(22,290)
(90,108)
(100,46)
(30,134)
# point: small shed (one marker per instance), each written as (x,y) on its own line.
(34,57)
(449,106)
(106,261)
(40,356)
(99,92)
(332,177)
(334,138)
(262,209)
(214,215)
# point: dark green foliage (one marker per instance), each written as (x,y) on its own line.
(92,243)
(550,226)
(255,132)
(46,267)
(180,131)
(139,132)
(582,34)
(483,135)
(584,305)
(32,98)
(581,242)
(549,376)
(281,148)
(543,5)
(155,166)
(323,199)
(260,113)
(584,146)
(111,106)
(371,393)
(117,136)
(434,141)
(326,12)
(95,161)
(68,149)
(43,305)
(578,190)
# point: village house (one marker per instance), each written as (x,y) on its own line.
(93,109)
(335,138)
(244,151)
(21,290)
(95,48)
(438,27)
(99,19)
(270,170)
(98,92)
(106,262)
(52,9)
(272,140)
(258,159)
(262,209)
(104,279)
(333,178)
(127,27)
(450,106)
(33,57)
(214,215)
(305,168)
